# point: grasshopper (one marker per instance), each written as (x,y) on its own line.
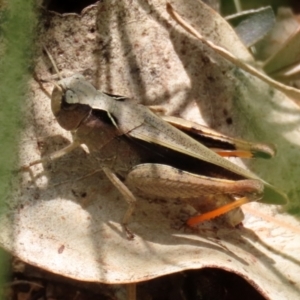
(162,157)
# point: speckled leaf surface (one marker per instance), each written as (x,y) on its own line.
(71,225)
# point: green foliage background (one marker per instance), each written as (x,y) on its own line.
(17,24)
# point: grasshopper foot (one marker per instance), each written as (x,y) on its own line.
(128,232)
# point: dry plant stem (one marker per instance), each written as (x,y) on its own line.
(53,62)
(17,282)
(131,291)
(289,91)
(238,5)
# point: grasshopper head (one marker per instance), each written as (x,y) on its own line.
(66,107)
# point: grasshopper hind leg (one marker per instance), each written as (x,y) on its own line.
(214,206)
(213,196)
(230,207)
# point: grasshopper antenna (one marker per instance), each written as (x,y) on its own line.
(53,62)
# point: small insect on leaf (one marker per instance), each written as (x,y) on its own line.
(161,157)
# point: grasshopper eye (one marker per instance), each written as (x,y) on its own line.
(71,97)
(69,100)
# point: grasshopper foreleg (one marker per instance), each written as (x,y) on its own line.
(53,156)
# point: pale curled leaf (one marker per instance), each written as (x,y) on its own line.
(252,25)
(289,91)
(287,56)
(286,24)
(138,51)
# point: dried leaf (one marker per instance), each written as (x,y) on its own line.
(135,49)
(252,25)
(287,56)
(289,91)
